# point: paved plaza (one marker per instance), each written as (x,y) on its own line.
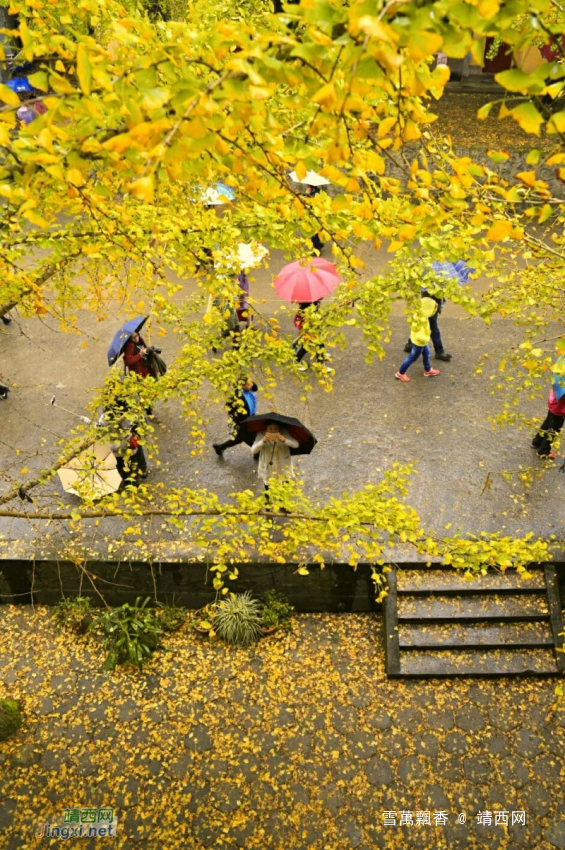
(367,421)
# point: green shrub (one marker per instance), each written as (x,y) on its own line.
(237,619)
(10,718)
(171,617)
(277,611)
(74,613)
(131,633)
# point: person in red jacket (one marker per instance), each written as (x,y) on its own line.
(135,353)
(550,427)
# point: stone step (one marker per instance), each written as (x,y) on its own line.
(491,606)
(449,581)
(474,85)
(523,662)
(457,635)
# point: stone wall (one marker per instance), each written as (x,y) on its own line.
(336,588)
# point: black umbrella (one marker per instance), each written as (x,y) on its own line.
(251,426)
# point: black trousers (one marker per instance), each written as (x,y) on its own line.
(549,429)
(317,243)
(301,352)
(228,444)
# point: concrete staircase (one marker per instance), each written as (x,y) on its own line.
(439,624)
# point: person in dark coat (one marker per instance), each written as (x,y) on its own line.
(550,427)
(4,392)
(241,404)
(298,321)
(317,243)
(131,462)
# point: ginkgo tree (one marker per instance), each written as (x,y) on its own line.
(105,191)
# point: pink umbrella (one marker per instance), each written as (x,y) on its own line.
(306,281)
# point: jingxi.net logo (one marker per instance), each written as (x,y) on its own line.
(81,823)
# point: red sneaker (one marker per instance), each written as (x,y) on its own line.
(404,378)
(431,373)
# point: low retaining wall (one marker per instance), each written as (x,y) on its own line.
(337,588)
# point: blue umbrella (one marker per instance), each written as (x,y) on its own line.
(20,85)
(217,194)
(122,336)
(459,271)
(558,375)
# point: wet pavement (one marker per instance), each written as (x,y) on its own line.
(364,424)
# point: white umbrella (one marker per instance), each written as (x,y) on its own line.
(246,255)
(312,179)
(92,473)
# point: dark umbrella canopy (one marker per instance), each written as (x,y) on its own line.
(251,426)
(122,336)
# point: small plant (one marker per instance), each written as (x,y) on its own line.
(131,633)
(277,611)
(10,718)
(74,613)
(237,619)
(171,617)
(203,619)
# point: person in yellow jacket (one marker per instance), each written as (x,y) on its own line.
(420,336)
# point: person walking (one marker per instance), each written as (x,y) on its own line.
(317,243)
(243,308)
(439,350)
(131,462)
(274,445)
(320,355)
(241,404)
(550,427)
(420,334)
(135,356)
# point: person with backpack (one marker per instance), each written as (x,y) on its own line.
(420,334)
(241,404)
(435,335)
